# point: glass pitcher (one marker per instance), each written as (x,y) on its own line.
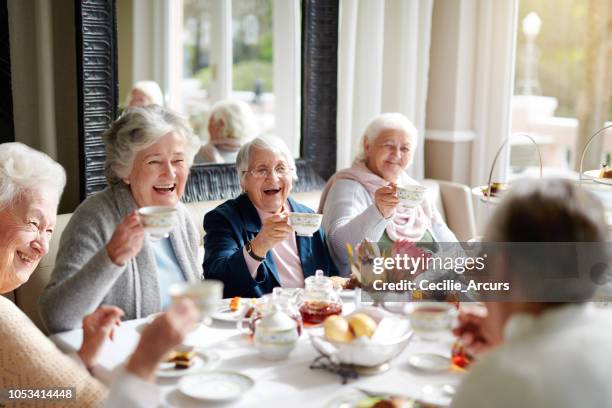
(319,299)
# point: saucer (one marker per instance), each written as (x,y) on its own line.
(216,385)
(203,360)
(429,362)
(594,174)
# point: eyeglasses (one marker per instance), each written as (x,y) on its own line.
(263,172)
(392,147)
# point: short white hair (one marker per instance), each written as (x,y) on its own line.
(238,119)
(23,170)
(389,121)
(151,89)
(269,143)
(139,128)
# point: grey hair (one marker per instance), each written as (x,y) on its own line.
(23,169)
(270,143)
(548,211)
(388,121)
(139,128)
(238,119)
(151,89)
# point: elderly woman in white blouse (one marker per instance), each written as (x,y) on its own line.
(31,184)
(361,202)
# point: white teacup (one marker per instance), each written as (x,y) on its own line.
(205,294)
(431,320)
(305,224)
(158,221)
(411,196)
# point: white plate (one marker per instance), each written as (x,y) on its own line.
(429,362)
(594,174)
(216,385)
(203,360)
(224,313)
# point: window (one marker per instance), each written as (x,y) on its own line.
(247,50)
(558,52)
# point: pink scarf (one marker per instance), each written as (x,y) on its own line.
(407,223)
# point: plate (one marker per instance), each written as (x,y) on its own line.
(494,199)
(224,313)
(594,174)
(429,362)
(216,385)
(203,360)
(355,398)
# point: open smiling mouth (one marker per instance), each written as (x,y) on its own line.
(271,191)
(165,188)
(24,258)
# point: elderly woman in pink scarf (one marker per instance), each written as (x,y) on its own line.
(231,125)
(361,202)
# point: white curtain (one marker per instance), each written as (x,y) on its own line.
(383,66)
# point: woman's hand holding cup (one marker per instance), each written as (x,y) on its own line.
(275,229)
(127,240)
(386,200)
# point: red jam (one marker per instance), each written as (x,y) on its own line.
(317,312)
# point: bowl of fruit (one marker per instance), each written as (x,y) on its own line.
(369,338)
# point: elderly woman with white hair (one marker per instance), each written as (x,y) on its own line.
(31,184)
(249,244)
(361,202)
(145,93)
(104,255)
(231,124)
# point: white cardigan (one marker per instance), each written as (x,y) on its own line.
(561,359)
(350,215)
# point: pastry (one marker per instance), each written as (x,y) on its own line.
(235,303)
(605,172)
(182,359)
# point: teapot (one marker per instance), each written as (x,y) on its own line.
(319,299)
(276,334)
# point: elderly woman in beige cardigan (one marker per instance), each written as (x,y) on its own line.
(30,188)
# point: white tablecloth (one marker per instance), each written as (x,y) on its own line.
(289,383)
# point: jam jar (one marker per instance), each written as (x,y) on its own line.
(319,299)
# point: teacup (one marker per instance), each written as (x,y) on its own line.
(411,196)
(305,224)
(158,221)
(205,294)
(431,320)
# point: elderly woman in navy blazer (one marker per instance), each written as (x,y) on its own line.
(249,244)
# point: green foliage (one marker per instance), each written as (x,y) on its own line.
(244,75)
(561,45)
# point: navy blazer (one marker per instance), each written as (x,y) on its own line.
(234,223)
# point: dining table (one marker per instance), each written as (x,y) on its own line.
(289,382)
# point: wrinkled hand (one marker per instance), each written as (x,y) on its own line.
(386,200)
(475,334)
(158,338)
(97,326)
(127,240)
(275,229)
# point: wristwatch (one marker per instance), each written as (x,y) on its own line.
(253,255)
